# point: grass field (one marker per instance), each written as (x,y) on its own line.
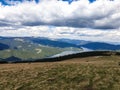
(91,73)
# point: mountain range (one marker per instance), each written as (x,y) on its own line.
(3,46)
(92,45)
(30,48)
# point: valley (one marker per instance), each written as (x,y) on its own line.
(27,49)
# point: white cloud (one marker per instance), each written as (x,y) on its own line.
(66,32)
(100,14)
(98,21)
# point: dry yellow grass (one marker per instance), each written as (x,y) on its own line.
(91,73)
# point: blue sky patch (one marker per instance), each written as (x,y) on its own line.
(91,1)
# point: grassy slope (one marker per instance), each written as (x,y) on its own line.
(27,50)
(91,73)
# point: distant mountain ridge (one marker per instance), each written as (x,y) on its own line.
(92,45)
(53,43)
(64,43)
(74,41)
(101,46)
(3,46)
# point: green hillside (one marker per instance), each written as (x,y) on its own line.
(27,50)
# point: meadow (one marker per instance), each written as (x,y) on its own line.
(90,73)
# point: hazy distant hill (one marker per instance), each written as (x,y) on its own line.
(53,43)
(101,46)
(3,46)
(74,41)
(92,45)
(62,43)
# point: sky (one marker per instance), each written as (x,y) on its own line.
(92,20)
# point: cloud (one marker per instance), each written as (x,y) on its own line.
(99,15)
(97,21)
(64,32)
